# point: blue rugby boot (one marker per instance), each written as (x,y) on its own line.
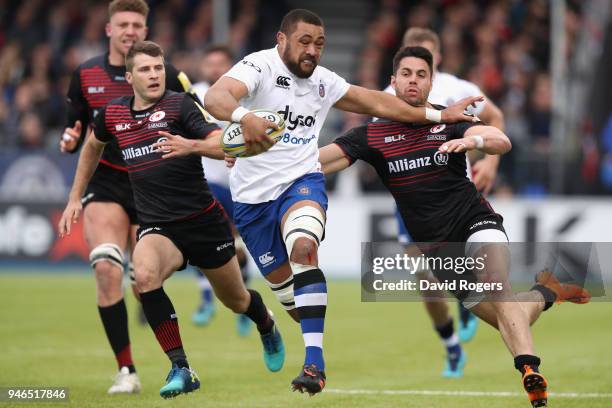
(273,349)
(455,362)
(179,381)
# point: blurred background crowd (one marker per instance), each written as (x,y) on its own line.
(502,46)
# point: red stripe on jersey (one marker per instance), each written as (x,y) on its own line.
(404,150)
(141,166)
(419,180)
(113,166)
(96,77)
(396,179)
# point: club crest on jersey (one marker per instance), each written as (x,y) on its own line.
(441,159)
(304,190)
(437,128)
(322,90)
(157,116)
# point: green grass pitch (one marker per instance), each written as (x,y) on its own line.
(51,336)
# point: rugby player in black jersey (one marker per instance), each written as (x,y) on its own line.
(110,216)
(424,168)
(180,221)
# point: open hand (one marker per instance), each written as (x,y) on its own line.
(174,145)
(69,216)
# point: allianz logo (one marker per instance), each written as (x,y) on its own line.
(398,166)
(292,120)
(135,152)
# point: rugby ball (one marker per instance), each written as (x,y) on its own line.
(232,139)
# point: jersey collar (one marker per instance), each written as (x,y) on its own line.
(304,85)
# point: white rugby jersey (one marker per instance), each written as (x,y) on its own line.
(448,89)
(303,102)
(215,171)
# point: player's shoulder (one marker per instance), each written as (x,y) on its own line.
(446,78)
(383,126)
(119,102)
(381,123)
(97,61)
(116,106)
(450,82)
(389,89)
(259,60)
(171,97)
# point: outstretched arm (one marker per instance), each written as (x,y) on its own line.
(384,105)
(332,159)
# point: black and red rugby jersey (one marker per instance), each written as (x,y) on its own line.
(95,83)
(165,190)
(431,189)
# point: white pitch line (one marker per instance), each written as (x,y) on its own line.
(466,393)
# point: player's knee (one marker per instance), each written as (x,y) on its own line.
(304,251)
(107,274)
(147,277)
(237,303)
(302,233)
(107,253)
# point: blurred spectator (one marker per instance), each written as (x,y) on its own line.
(42,42)
(503,46)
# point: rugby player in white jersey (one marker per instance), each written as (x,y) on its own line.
(446,90)
(216,61)
(279,196)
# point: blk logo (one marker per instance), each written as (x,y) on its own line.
(283,82)
(122,126)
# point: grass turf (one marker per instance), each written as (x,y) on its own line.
(51,336)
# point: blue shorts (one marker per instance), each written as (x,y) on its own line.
(403,236)
(260,224)
(224,197)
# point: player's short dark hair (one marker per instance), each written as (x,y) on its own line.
(417,52)
(142,47)
(224,49)
(418,35)
(137,6)
(295,16)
